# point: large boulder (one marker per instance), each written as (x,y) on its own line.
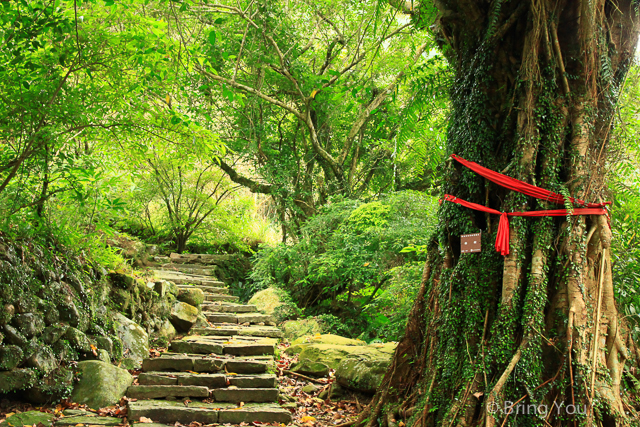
(363,372)
(135,341)
(294,329)
(325,339)
(267,300)
(308,367)
(358,366)
(167,330)
(183,316)
(101,384)
(191,296)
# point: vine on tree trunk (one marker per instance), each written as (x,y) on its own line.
(536,331)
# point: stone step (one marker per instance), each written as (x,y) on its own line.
(202,345)
(164,391)
(208,364)
(231,394)
(229,330)
(228,307)
(207,413)
(180,278)
(241,318)
(220,297)
(245,395)
(190,269)
(206,288)
(88,418)
(208,380)
(202,259)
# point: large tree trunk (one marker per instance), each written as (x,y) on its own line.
(537,83)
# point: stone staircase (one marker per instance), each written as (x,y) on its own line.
(220,374)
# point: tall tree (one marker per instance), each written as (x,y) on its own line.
(534,97)
(308,94)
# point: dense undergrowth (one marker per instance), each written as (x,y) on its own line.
(348,265)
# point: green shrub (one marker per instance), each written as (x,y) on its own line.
(345,257)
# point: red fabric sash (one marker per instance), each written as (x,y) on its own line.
(523,187)
(502,239)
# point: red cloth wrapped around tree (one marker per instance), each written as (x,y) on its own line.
(502,239)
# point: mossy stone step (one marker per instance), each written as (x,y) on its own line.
(220,297)
(245,395)
(90,420)
(209,347)
(201,270)
(228,307)
(219,395)
(233,339)
(229,330)
(163,391)
(207,413)
(206,288)
(186,279)
(186,363)
(182,378)
(241,318)
(208,380)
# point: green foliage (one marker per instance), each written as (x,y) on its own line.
(346,256)
(625,220)
(389,311)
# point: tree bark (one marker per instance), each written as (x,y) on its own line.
(535,92)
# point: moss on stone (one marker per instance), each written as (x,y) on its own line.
(101,384)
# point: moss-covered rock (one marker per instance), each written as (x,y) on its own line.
(122,299)
(78,340)
(294,329)
(50,314)
(101,384)
(333,349)
(13,336)
(43,360)
(363,372)
(193,296)
(267,300)
(53,333)
(308,367)
(54,386)
(327,339)
(17,379)
(29,418)
(63,350)
(183,316)
(104,343)
(166,330)
(7,313)
(29,324)
(69,313)
(134,339)
(11,357)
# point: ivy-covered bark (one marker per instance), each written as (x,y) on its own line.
(536,87)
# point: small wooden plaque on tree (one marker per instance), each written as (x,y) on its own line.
(470,243)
